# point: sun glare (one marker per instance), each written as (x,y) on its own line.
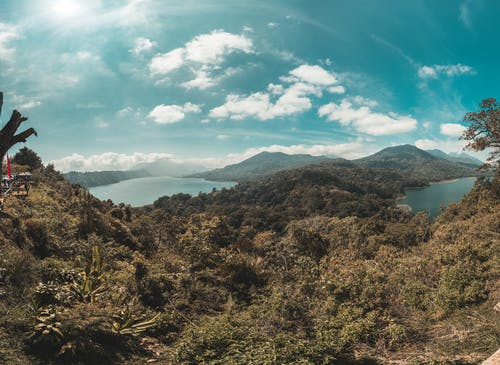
(67,8)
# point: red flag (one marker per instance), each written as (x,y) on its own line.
(8,167)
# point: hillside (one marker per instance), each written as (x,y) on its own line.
(461,158)
(415,163)
(262,164)
(342,276)
(407,160)
(168,167)
(98,178)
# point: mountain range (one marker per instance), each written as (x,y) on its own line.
(264,163)
(407,159)
(430,165)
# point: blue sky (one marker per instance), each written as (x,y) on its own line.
(108,84)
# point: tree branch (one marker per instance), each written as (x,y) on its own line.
(21,137)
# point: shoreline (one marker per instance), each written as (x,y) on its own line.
(447,181)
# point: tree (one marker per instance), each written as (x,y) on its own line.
(27,157)
(484,129)
(8,136)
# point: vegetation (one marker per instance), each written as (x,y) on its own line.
(98,178)
(321,269)
(408,161)
(262,164)
(484,129)
(314,265)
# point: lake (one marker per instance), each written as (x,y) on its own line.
(431,198)
(143,191)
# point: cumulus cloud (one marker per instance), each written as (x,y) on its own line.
(202,81)
(434,71)
(314,74)
(105,161)
(164,63)
(279,100)
(336,89)
(168,114)
(203,54)
(444,145)
(426,144)
(142,45)
(292,100)
(452,129)
(363,119)
(7,34)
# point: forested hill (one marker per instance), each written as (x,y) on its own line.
(415,163)
(97,178)
(312,265)
(408,160)
(336,187)
(262,164)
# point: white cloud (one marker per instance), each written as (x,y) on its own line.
(363,119)
(434,71)
(105,161)
(142,45)
(202,81)
(464,13)
(292,100)
(169,114)
(452,129)
(164,63)
(211,48)
(314,75)
(7,34)
(427,125)
(222,137)
(336,89)
(30,104)
(279,100)
(443,145)
(203,54)
(426,144)
(359,100)
(272,25)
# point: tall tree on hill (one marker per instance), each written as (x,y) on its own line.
(8,136)
(484,129)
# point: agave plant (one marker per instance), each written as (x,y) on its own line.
(126,323)
(91,282)
(46,327)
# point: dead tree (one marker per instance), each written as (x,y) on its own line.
(8,136)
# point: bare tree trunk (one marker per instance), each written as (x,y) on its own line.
(8,136)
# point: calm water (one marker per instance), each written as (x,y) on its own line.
(430,199)
(146,190)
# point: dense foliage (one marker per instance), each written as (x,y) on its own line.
(97,178)
(314,266)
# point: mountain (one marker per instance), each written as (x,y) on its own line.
(417,164)
(168,167)
(462,158)
(98,178)
(265,163)
(466,158)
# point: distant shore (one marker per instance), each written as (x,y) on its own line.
(447,181)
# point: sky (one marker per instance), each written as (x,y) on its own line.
(109,84)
